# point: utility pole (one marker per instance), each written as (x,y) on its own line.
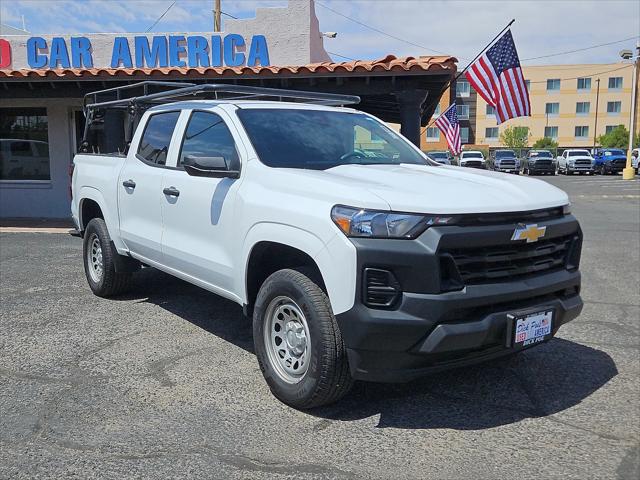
(595,127)
(628,173)
(217,20)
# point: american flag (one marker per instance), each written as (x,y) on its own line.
(498,79)
(448,124)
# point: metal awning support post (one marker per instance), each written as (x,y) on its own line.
(410,102)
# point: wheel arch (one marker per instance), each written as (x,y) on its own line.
(286,246)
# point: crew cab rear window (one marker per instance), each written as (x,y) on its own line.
(154,144)
(208,136)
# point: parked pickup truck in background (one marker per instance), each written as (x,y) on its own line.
(506,161)
(441,157)
(355,263)
(539,162)
(572,161)
(610,160)
(473,159)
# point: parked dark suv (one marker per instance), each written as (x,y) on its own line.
(539,162)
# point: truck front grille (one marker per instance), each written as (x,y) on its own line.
(502,263)
(473,163)
(583,163)
(508,164)
(543,163)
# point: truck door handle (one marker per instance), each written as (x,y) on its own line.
(171,192)
(129,184)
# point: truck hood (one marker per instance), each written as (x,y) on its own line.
(447,189)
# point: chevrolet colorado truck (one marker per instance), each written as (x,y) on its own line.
(356,259)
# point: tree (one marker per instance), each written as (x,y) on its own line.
(545,143)
(617,138)
(515,137)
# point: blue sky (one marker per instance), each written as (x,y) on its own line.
(459,28)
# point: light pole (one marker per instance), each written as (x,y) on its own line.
(595,127)
(628,173)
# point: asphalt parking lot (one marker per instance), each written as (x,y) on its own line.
(162,383)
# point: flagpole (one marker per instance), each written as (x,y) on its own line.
(448,84)
(484,49)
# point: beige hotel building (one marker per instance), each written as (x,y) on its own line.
(563,104)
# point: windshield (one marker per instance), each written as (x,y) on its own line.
(321,139)
(542,154)
(438,155)
(578,153)
(505,154)
(466,155)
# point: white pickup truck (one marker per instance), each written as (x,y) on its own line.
(357,256)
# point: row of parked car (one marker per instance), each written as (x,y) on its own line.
(542,162)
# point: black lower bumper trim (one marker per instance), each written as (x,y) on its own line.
(434,332)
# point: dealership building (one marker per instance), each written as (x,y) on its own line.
(44,78)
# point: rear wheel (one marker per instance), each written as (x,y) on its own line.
(99,261)
(297,341)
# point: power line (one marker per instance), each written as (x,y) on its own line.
(228,15)
(580,49)
(380,31)
(161,16)
(341,56)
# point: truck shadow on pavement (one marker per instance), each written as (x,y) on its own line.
(535,383)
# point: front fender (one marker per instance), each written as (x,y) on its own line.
(336,260)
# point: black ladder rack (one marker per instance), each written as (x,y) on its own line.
(178,91)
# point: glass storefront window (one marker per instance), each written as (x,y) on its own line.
(24,144)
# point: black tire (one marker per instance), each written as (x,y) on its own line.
(327,377)
(110,282)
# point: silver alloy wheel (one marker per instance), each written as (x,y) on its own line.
(94,258)
(287,340)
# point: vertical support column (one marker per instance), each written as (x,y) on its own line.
(410,102)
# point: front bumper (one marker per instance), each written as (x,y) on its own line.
(580,168)
(427,331)
(533,168)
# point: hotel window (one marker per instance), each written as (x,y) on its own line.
(433,134)
(24,144)
(436,112)
(464,135)
(553,85)
(582,131)
(610,128)
(552,108)
(463,112)
(615,83)
(463,89)
(491,110)
(582,108)
(584,84)
(491,133)
(551,132)
(613,108)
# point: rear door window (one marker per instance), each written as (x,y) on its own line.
(154,145)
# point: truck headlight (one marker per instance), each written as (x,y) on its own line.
(358,222)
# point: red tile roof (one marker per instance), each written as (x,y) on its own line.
(437,64)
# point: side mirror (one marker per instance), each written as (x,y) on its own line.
(201,166)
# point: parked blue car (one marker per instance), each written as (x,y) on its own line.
(609,160)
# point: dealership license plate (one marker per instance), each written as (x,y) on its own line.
(532,328)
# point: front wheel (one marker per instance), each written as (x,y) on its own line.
(99,261)
(297,341)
